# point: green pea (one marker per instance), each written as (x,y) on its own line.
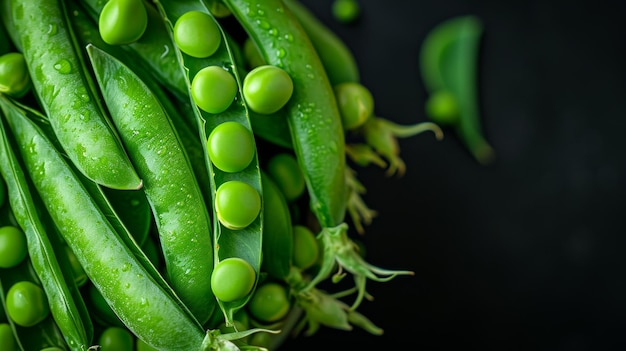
(232,279)
(26,303)
(306,250)
(7,339)
(53,348)
(13,246)
(355,102)
(231,146)
(116,339)
(267,89)
(213,89)
(14,77)
(269,303)
(284,169)
(197,34)
(442,108)
(346,11)
(122,21)
(237,204)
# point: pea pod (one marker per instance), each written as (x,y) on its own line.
(313,116)
(338,60)
(244,243)
(63,85)
(448,66)
(137,296)
(169,182)
(67,307)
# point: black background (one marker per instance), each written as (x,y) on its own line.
(522,254)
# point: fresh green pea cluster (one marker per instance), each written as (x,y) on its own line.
(175,175)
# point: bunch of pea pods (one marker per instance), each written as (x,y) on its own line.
(176,175)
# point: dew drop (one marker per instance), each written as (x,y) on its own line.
(63,66)
(280,53)
(263,24)
(52,29)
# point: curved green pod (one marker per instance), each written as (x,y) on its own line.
(448,63)
(180,212)
(338,60)
(313,115)
(63,86)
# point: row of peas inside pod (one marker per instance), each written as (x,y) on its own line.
(231,209)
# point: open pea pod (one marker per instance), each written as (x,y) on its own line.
(246,242)
(448,63)
(66,304)
(44,334)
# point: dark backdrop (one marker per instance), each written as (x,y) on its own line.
(523,254)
